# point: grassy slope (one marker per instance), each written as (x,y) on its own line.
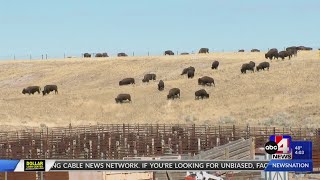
(289,94)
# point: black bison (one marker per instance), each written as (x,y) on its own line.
(31,90)
(174,93)
(284,54)
(105,55)
(126,81)
(201,93)
(293,50)
(48,88)
(185,70)
(185,53)
(177,129)
(86,55)
(204,50)
(263,65)
(190,74)
(160,85)
(123,97)
(122,54)
(255,50)
(303,48)
(99,55)
(148,77)
(169,52)
(205,80)
(241,50)
(272,53)
(215,65)
(248,67)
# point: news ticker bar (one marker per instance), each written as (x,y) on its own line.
(160,165)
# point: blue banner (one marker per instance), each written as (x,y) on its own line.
(301,149)
(290,165)
(8,165)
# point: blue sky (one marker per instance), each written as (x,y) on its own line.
(75,26)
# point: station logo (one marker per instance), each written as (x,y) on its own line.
(279,147)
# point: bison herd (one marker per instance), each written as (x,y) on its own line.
(46,90)
(189,71)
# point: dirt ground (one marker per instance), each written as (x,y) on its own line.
(287,95)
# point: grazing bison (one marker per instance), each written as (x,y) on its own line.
(303,48)
(31,90)
(185,70)
(263,65)
(215,65)
(122,54)
(190,74)
(241,50)
(248,67)
(205,80)
(99,55)
(255,50)
(87,55)
(160,85)
(293,50)
(272,53)
(174,93)
(169,52)
(203,50)
(126,81)
(148,77)
(105,55)
(123,97)
(284,54)
(201,93)
(177,129)
(185,53)
(48,88)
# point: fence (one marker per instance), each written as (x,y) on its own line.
(115,141)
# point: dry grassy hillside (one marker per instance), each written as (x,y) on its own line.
(287,95)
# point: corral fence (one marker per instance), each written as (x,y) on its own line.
(116,141)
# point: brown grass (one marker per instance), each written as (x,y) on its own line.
(287,95)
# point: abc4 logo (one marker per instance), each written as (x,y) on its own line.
(282,147)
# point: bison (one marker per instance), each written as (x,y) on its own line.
(248,67)
(272,53)
(126,81)
(31,90)
(284,54)
(174,93)
(215,65)
(169,52)
(205,80)
(123,97)
(122,54)
(48,88)
(263,65)
(105,55)
(160,85)
(148,77)
(87,55)
(241,50)
(255,50)
(204,50)
(185,53)
(303,48)
(293,50)
(201,93)
(185,70)
(99,55)
(190,74)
